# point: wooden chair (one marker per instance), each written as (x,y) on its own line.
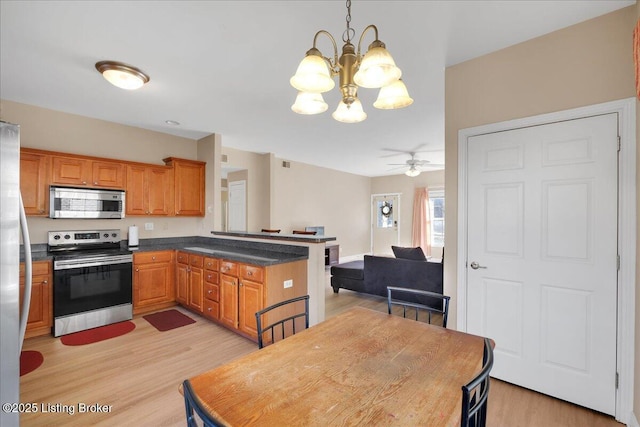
(285,318)
(430,302)
(269,230)
(475,394)
(195,409)
(310,233)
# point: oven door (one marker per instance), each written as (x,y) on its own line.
(87,284)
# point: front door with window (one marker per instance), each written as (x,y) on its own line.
(385,214)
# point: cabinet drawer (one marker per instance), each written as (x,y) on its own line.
(38,268)
(251,272)
(196,260)
(211,309)
(151,257)
(211,264)
(212,292)
(229,268)
(211,277)
(183,258)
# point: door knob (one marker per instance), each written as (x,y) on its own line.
(476,266)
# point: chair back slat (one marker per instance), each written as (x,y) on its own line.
(281,323)
(419,301)
(475,394)
(196,414)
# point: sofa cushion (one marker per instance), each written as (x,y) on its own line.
(349,270)
(415,254)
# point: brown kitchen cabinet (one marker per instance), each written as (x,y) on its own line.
(189,281)
(153,281)
(251,296)
(40,318)
(189,186)
(86,172)
(149,190)
(229,293)
(211,303)
(34,182)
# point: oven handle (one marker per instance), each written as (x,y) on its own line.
(92,262)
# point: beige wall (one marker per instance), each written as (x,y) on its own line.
(305,195)
(585,64)
(405,186)
(53,130)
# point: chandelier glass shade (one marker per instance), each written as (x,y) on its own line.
(376,69)
(122,75)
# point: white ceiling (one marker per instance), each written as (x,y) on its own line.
(224,66)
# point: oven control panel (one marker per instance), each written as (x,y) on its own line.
(83,237)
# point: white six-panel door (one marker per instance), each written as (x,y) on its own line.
(542,256)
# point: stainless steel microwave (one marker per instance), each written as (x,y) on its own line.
(92,203)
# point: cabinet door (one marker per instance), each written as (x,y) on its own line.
(107,174)
(229,300)
(182,283)
(251,301)
(34,183)
(160,191)
(189,188)
(196,291)
(153,278)
(136,203)
(40,307)
(70,171)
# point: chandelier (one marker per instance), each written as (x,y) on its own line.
(376,69)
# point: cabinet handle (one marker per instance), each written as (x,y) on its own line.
(42,211)
(209,309)
(45,282)
(209,292)
(137,269)
(249,273)
(84,182)
(153,258)
(95,183)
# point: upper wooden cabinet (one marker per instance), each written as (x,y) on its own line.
(34,182)
(189,186)
(149,190)
(82,172)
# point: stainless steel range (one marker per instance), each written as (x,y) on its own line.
(92,280)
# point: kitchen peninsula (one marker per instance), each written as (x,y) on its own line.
(315,264)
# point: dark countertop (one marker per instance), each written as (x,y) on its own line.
(256,253)
(306,238)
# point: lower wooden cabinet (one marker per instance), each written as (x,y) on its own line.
(153,281)
(211,303)
(189,281)
(230,292)
(41,309)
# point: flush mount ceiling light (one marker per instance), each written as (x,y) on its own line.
(413,171)
(122,75)
(376,69)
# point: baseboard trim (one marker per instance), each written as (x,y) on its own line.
(633,421)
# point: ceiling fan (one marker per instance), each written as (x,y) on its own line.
(414,164)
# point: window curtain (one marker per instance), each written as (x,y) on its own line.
(421,220)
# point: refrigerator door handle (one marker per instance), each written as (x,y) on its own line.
(26,302)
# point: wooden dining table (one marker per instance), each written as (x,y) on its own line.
(361,367)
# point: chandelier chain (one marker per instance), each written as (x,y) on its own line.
(349,32)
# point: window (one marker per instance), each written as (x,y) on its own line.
(436,210)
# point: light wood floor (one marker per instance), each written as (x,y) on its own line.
(138,376)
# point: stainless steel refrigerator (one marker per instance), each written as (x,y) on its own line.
(12,226)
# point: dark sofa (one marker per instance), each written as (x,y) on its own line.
(375,273)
